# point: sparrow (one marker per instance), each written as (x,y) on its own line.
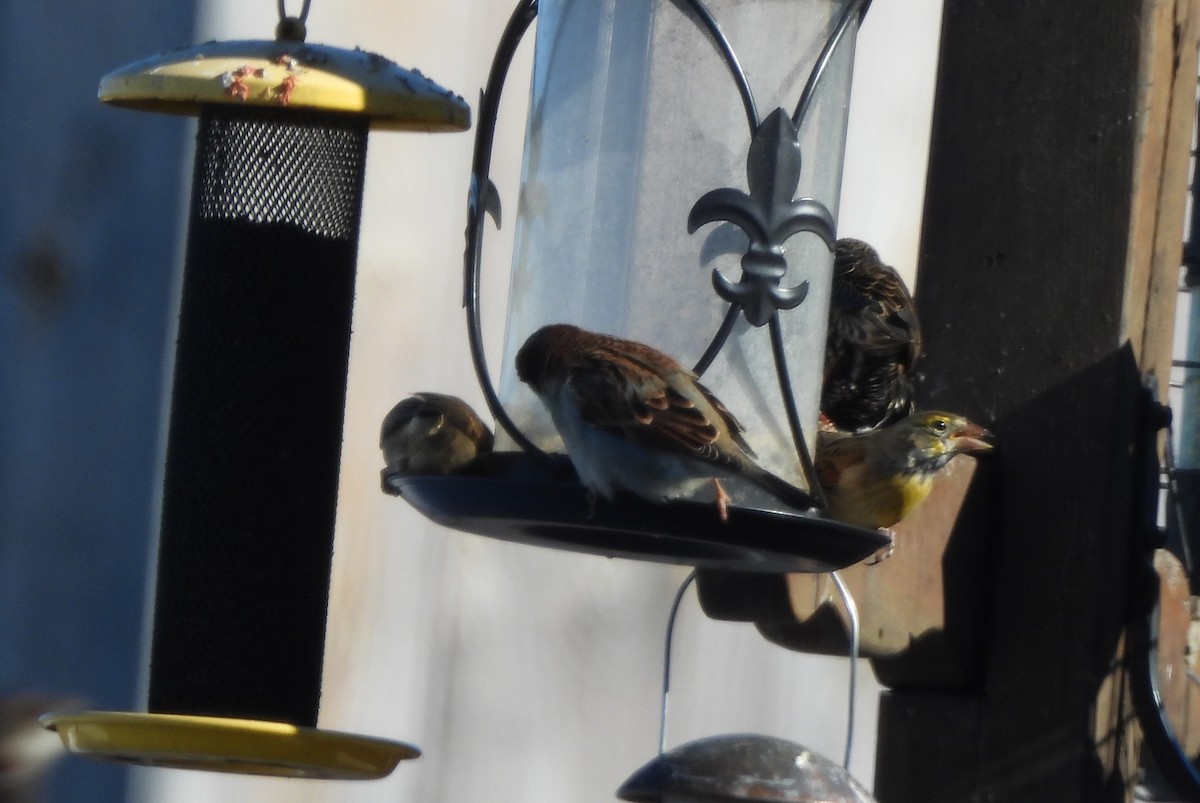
(431,434)
(874,339)
(633,418)
(875,478)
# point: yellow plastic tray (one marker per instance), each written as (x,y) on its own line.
(219,744)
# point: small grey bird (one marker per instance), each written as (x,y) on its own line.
(633,418)
(431,434)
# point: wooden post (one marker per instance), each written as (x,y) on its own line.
(1050,254)
(1050,251)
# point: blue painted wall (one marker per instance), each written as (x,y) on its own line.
(90,213)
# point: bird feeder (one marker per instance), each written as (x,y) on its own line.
(739,766)
(680,186)
(254,443)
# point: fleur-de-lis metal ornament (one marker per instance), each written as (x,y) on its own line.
(769,215)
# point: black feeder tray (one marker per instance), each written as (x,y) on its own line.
(516,497)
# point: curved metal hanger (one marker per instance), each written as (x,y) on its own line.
(848,605)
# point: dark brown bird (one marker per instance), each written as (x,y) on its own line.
(431,434)
(633,418)
(873,343)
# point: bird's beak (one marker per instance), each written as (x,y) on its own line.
(973,439)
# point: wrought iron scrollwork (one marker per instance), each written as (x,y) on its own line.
(769,216)
(482,197)
(768,213)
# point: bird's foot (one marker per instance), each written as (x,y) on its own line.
(723,500)
(885,552)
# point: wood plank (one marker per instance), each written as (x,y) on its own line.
(1167,115)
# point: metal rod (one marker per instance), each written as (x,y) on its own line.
(855,9)
(1191,246)
(1173,494)
(852,615)
(718,341)
(789,403)
(731,60)
(489,107)
(666,684)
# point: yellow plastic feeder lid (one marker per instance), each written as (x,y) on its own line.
(287,74)
(219,744)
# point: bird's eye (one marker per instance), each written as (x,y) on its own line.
(939,425)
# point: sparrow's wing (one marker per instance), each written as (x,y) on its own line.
(837,453)
(871,308)
(459,415)
(652,401)
(404,411)
(440,410)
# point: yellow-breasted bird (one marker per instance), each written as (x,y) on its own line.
(431,434)
(633,418)
(874,339)
(875,478)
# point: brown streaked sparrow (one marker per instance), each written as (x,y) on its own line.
(874,339)
(431,434)
(633,418)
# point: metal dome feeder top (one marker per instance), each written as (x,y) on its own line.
(287,74)
(742,766)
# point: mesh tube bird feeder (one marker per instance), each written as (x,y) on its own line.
(254,442)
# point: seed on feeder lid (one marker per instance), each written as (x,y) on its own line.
(291,74)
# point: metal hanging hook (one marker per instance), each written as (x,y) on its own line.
(292,29)
(851,613)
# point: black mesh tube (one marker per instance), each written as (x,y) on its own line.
(256,415)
